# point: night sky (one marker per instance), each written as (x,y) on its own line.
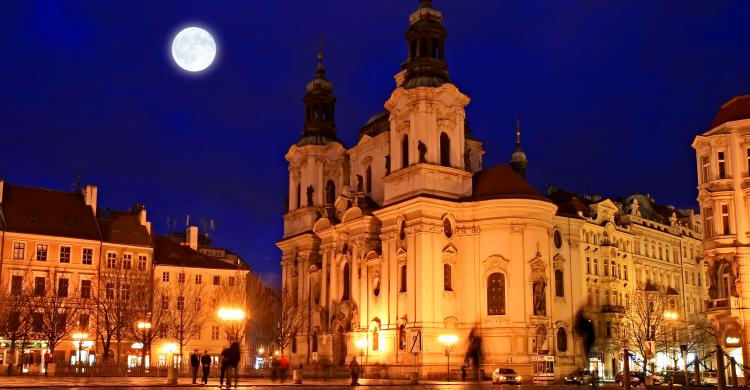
(610,95)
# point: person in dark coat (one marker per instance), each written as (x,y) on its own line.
(206,365)
(354,370)
(234,360)
(224,364)
(274,368)
(195,363)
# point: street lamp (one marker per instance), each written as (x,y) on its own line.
(672,316)
(80,337)
(233,316)
(448,340)
(361,344)
(144,327)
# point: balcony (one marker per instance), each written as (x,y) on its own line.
(613,309)
(723,304)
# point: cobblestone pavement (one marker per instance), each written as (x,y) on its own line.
(18,382)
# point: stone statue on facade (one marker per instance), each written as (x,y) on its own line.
(310,191)
(355,316)
(540,307)
(422,148)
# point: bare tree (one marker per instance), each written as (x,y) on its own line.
(263,305)
(150,305)
(187,314)
(644,321)
(114,308)
(55,309)
(15,319)
(234,296)
(291,320)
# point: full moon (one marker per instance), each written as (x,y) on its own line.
(193,49)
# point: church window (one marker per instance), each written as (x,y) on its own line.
(557,237)
(299,195)
(709,229)
(402,337)
(559,283)
(368,179)
(496,294)
(347,280)
(447,277)
(562,340)
(330,192)
(722,166)
(405,151)
(402,287)
(725,219)
(445,150)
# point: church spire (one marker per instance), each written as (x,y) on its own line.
(425,64)
(518,158)
(319,127)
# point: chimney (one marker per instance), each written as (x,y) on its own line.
(2,185)
(191,237)
(142,219)
(89,196)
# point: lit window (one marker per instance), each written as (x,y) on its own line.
(127,261)
(19,250)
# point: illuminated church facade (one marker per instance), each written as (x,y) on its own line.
(405,236)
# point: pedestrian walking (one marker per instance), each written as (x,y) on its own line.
(354,370)
(283,367)
(195,363)
(234,360)
(274,368)
(206,364)
(224,365)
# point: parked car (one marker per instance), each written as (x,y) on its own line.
(506,376)
(578,377)
(657,379)
(635,380)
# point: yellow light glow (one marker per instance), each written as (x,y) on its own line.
(448,339)
(144,325)
(137,345)
(231,314)
(80,336)
(261,350)
(169,348)
(671,315)
(276,353)
(361,343)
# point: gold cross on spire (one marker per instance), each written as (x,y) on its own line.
(518,132)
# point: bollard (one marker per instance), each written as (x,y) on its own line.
(413,378)
(720,369)
(297,377)
(171,375)
(626,370)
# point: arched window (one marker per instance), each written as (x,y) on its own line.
(559,283)
(562,340)
(405,151)
(445,150)
(375,340)
(368,179)
(402,337)
(299,195)
(315,341)
(447,277)
(423,48)
(435,46)
(402,288)
(330,192)
(347,280)
(496,294)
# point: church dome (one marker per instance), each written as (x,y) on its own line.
(737,108)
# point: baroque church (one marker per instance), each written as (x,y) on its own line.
(406,236)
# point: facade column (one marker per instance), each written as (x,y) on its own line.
(324,279)
(334,279)
(354,285)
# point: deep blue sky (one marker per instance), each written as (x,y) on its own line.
(610,95)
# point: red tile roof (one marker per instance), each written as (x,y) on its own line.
(735,109)
(122,227)
(48,212)
(502,182)
(169,252)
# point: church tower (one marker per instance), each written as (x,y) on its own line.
(316,160)
(427,118)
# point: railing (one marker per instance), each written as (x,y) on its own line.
(613,309)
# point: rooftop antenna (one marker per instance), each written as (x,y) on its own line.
(77,185)
(187,221)
(168,224)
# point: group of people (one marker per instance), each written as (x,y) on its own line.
(229,359)
(279,368)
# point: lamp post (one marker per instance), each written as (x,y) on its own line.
(361,344)
(448,340)
(80,337)
(671,316)
(144,327)
(232,316)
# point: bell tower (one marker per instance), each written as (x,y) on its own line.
(427,118)
(317,160)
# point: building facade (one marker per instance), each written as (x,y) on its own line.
(405,237)
(723,168)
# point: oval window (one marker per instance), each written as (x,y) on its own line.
(447,228)
(558,239)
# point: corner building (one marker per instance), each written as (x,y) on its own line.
(723,167)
